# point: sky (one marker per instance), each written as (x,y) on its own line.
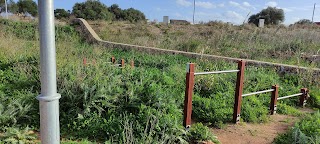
(234,11)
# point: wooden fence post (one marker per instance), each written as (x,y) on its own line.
(113,60)
(122,63)
(132,64)
(188,96)
(238,93)
(274,99)
(303,97)
(84,61)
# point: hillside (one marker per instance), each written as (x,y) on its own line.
(287,45)
(104,103)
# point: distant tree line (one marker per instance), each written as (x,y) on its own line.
(95,10)
(22,6)
(90,9)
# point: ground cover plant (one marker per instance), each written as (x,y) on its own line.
(306,131)
(288,45)
(104,103)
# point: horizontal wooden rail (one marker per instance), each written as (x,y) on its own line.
(289,96)
(216,72)
(260,92)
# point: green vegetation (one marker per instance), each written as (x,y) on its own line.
(62,14)
(104,103)
(271,15)
(303,22)
(28,6)
(307,131)
(12,6)
(91,10)
(95,10)
(272,44)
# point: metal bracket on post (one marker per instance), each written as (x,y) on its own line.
(238,93)
(188,96)
(303,97)
(274,99)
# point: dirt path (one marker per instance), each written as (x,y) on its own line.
(246,133)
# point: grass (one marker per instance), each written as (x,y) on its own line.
(274,44)
(306,131)
(103,103)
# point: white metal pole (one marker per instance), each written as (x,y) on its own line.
(49,98)
(6,4)
(314,8)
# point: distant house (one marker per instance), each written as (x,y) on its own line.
(179,22)
(317,23)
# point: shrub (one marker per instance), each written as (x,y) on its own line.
(306,131)
(92,10)
(198,132)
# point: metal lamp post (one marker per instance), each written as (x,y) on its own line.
(49,98)
(5,3)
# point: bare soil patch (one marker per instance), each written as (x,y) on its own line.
(247,133)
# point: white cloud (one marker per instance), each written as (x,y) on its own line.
(238,5)
(272,4)
(183,3)
(234,16)
(207,5)
(235,4)
(221,5)
(202,4)
(287,10)
(246,4)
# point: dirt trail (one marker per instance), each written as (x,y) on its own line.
(246,133)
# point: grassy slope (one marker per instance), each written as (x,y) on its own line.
(282,45)
(102,102)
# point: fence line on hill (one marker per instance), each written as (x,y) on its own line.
(190,76)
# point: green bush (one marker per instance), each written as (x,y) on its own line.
(198,132)
(306,131)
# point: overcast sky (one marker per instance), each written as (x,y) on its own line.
(234,11)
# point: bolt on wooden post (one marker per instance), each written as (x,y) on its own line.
(274,99)
(238,93)
(188,96)
(303,97)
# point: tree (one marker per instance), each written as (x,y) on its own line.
(28,6)
(61,13)
(133,15)
(12,6)
(272,16)
(117,12)
(303,22)
(92,10)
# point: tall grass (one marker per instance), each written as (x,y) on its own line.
(274,44)
(101,102)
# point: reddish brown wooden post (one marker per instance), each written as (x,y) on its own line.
(274,99)
(238,93)
(132,64)
(188,96)
(113,60)
(303,97)
(122,62)
(84,61)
